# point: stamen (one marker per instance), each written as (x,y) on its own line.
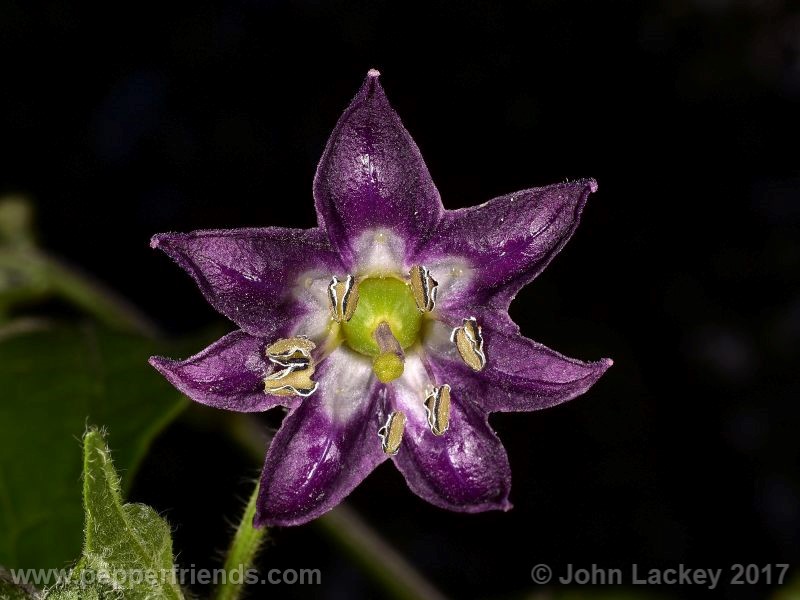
(424,287)
(290,383)
(294,379)
(391,433)
(291,352)
(388,365)
(343,298)
(469,343)
(437,405)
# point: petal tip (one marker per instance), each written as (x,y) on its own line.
(161,241)
(599,369)
(371,90)
(161,364)
(166,367)
(592,185)
(169,370)
(601,366)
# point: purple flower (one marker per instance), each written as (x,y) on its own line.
(385,330)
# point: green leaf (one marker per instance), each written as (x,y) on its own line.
(127,548)
(53,380)
(11,591)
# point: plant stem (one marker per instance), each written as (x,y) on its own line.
(95,298)
(242,552)
(39,275)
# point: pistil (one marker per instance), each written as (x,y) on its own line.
(388,365)
(382,300)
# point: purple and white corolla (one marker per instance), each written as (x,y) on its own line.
(384,330)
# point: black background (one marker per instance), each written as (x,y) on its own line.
(126,120)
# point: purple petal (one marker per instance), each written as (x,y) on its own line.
(466,469)
(325,447)
(372,176)
(505,242)
(253,276)
(229,374)
(520,374)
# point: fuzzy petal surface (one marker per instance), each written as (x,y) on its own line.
(464,470)
(254,276)
(506,242)
(325,447)
(372,177)
(380,215)
(520,374)
(229,374)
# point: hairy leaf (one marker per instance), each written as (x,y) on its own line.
(10,590)
(53,380)
(127,550)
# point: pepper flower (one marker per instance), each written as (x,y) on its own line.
(384,331)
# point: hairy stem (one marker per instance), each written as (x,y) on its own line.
(242,553)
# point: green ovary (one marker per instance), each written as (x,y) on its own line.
(382,299)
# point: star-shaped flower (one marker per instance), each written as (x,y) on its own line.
(384,330)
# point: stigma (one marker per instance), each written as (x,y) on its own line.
(389,364)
